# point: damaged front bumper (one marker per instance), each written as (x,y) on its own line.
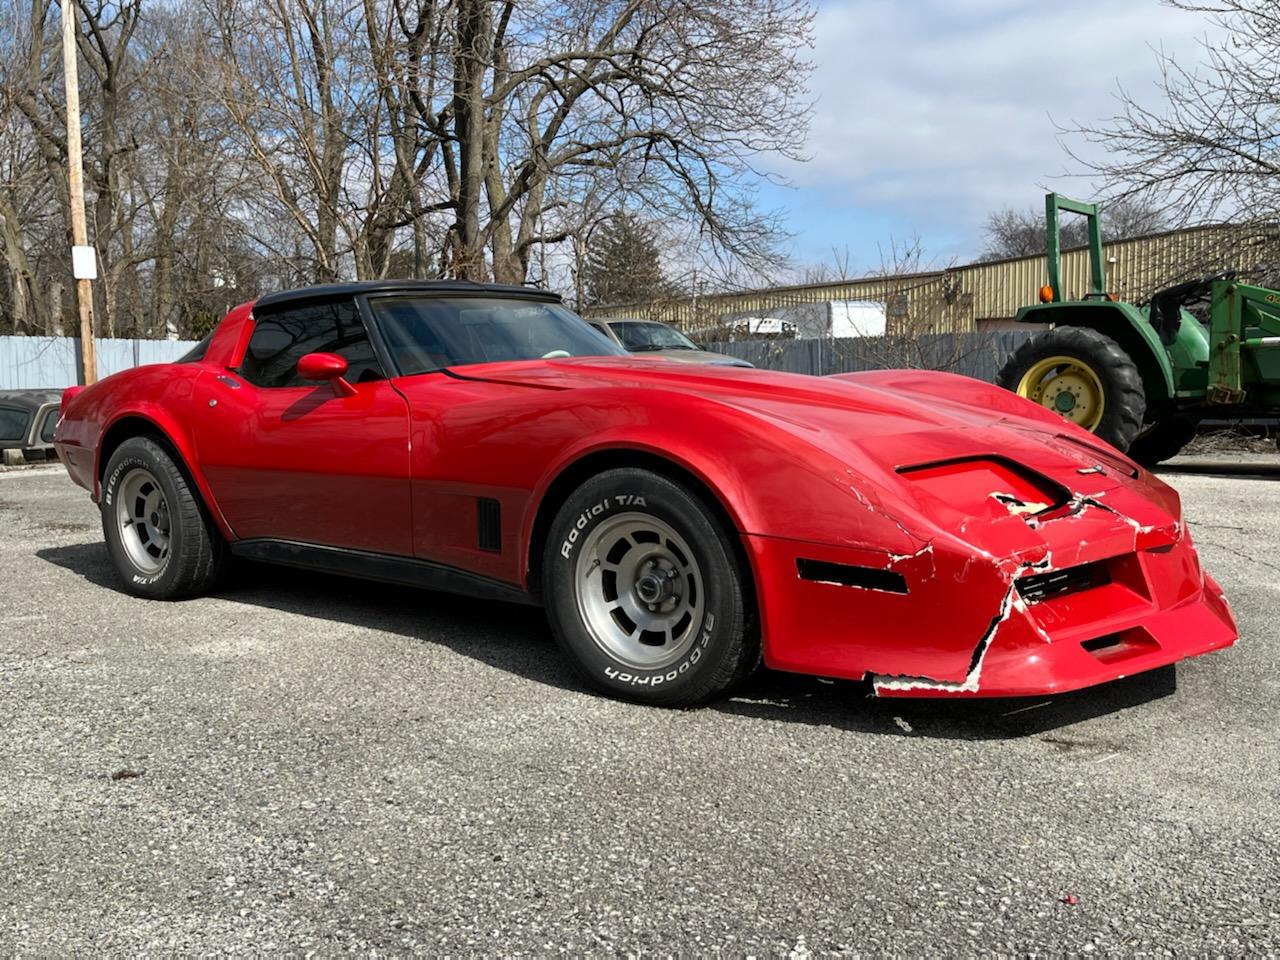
(1025,659)
(1102,587)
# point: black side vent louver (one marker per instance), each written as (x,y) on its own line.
(845,575)
(488,525)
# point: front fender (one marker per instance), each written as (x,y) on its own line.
(770,482)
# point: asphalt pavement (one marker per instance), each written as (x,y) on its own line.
(303,763)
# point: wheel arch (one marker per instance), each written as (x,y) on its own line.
(1124,324)
(574,473)
(133,423)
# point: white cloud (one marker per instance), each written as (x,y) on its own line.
(939,112)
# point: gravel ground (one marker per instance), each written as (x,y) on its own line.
(309,764)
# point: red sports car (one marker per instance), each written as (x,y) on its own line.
(927,533)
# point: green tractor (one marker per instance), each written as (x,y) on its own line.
(1142,376)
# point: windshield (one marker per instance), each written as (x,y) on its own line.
(641,335)
(428,333)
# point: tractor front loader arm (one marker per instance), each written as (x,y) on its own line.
(1244,321)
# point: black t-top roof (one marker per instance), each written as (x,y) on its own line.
(329,291)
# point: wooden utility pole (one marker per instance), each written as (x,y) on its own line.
(84,262)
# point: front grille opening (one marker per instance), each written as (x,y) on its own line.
(1057,583)
(1124,645)
(847,575)
(1098,644)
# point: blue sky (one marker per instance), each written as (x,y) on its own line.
(930,114)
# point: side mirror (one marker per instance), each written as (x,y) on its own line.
(327,366)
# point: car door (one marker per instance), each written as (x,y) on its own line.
(291,459)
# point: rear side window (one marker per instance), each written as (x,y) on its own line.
(13,425)
(282,337)
(197,352)
(50,426)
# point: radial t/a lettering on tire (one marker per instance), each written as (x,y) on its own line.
(160,538)
(645,591)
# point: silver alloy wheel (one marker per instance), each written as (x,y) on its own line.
(639,591)
(143,517)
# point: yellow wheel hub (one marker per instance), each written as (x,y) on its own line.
(1068,386)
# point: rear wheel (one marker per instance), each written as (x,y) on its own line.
(161,540)
(1162,441)
(1083,376)
(646,593)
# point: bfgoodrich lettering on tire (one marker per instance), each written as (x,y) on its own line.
(645,591)
(160,538)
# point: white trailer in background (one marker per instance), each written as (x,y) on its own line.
(857,318)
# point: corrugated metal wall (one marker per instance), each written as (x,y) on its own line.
(956,299)
(977,355)
(54,362)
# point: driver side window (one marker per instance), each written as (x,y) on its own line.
(282,337)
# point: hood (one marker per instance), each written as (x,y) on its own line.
(803,403)
(891,419)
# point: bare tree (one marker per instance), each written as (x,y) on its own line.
(1020,233)
(683,97)
(236,145)
(1207,148)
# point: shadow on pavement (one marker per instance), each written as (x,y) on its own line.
(799,699)
(506,636)
(516,639)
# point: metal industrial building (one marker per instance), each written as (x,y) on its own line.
(984,295)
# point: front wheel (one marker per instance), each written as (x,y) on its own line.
(160,538)
(646,593)
(1083,376)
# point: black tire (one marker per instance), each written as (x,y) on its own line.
(1162,441)
(721,646)
(195,552)
(1125,400)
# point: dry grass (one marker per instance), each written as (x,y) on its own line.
(1231,440)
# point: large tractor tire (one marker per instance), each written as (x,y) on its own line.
(1084,376)
(1162,441)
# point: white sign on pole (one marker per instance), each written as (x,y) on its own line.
(84,263)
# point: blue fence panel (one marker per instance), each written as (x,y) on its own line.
(52,363)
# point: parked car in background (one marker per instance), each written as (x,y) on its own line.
(662,340)
(27,422)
